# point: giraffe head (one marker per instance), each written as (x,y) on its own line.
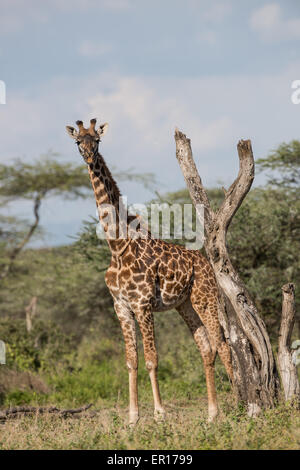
(87,140)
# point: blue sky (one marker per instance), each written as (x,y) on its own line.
(219,70)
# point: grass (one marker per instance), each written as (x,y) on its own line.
(185,428)
(184,395)
(97,374)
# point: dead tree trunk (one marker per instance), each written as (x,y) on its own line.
(256,378)
(287,368)
(30,312)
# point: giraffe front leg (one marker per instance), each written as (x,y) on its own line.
(146,323)
(127,323)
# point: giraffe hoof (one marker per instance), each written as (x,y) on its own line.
(159,415)
(133,420)
(212,414)
(212,417)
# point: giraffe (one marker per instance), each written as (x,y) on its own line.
(147,275)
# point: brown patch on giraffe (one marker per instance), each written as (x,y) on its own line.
(111,277)
(138,278)
(131,286)
(124,274)
(128,259)
(141,266)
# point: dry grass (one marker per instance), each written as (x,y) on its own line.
(185,428)
(101,378)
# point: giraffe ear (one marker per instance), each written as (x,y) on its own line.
(72,132)
(102,129)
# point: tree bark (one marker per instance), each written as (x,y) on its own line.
(255,374)
(287,368)
(30,312)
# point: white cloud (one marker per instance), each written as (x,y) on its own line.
(270,25)
(149,113)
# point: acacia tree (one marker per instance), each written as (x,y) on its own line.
(35,182)
(284,165)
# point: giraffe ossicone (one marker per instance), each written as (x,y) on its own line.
(148,275)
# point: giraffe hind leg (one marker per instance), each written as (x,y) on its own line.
(207,350)
(208,312)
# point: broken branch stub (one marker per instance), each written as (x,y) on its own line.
(287,367)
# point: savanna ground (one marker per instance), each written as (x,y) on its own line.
(74,354)
(186,428)
(99,376)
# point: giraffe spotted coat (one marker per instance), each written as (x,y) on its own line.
(147,275)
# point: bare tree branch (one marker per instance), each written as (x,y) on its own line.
(19,410)
(193,181)
(235,195)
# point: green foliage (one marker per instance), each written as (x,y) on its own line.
(19,397)
(284,164)
(70,292)
(12,231)
(42,349)
(94,250)
(264,245)
(95,382)
(44,176)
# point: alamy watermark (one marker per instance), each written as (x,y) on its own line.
(2,352)
(2,92)
(164,221)
(295,96)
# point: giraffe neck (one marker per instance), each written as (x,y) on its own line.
(112,213)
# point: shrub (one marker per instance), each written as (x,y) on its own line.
(41,349)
